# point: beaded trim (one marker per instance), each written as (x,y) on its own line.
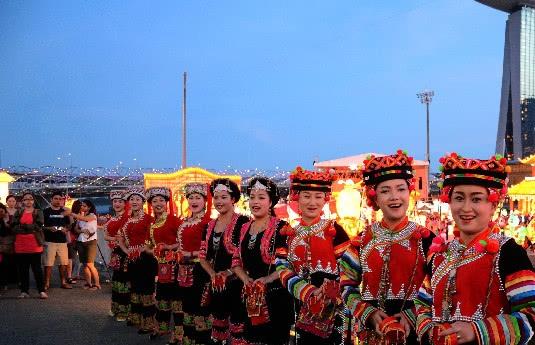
(267,238)
(383,237)
(111,220)
(302,238)
(478,176)
(227,239)
(227,235)
(157,224)
(383,234)
(389,172)
(455,257)
(125,227)
(188,222)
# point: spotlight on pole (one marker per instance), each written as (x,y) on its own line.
(426,97)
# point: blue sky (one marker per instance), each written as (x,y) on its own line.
(271,83)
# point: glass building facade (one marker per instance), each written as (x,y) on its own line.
(527,81)
(516,127)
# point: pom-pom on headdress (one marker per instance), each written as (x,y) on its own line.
(196,187)
(155,191)
(306,180)
(263,183)
(384,168)
(135,191)
(117,194)
(490,173)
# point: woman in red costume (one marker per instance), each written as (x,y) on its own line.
(391,257)
(120,294)
(162,238)
(480,288)
(142,265)
(191,277)
(217,248)
(311,261)
(269,306)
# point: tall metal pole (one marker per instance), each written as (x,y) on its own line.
(426,97)
(184,122)
(428,153)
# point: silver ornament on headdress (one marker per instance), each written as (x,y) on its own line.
(135,191)
(195,187)
(259,186)
(222,188)
(154,191)
(116,194)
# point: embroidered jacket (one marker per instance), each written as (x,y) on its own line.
(492,289)
(189,236)
(136,232)
(165,231)
(390,264)
(312,253)
(113,226)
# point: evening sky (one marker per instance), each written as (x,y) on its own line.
(270,83)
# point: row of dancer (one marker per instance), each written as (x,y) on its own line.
(248,280)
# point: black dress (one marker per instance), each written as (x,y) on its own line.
(226,306)
(257,255)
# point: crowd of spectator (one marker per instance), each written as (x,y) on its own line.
(39,239)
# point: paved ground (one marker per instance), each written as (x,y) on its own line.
(74,316)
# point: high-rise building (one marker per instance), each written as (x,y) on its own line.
(516,126)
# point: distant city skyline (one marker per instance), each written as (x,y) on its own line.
(269,85)
(516,126)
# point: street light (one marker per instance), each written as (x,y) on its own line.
(426,97)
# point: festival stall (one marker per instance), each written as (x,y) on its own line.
(175,182)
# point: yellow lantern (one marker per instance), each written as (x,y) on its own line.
(5,179)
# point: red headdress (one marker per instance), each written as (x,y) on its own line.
(384,168)
(318,181)
(490,173)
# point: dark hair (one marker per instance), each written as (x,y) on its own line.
(273,191)
(56,192)
(11,196)
(2,206)
(76,206)
(234,189)
(27,192)
(92,208)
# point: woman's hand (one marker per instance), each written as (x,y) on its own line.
(404,322)
(464,330)
(376,318)
(263,280)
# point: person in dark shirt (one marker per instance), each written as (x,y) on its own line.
(56,228)
(6,250)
